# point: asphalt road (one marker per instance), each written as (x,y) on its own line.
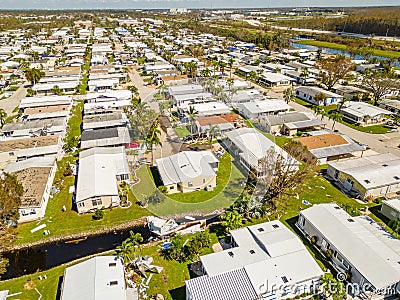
(12,102)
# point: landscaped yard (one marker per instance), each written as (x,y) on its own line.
(200,201)
(374,129)
(26,285)
(182,131)
(60,222)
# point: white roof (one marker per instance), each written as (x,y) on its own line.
(109,95)
(90,280)
(266,251)
(361,241)
(45,100)
(362,109)
(371,171)
(313,90)
(254,145)
(34,162)
(98,168)
(265,106)
(211,108)
(185,166)
(276,77)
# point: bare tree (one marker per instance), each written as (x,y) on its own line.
(333,69)
(380,83)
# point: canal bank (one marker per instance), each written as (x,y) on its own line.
(314,45)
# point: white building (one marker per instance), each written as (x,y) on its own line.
(370,176)
(267,261)
(98,278)
(256,109)
(359,247)
(188,171)
(308,93)
(255,151)
(362,113)
(100,171)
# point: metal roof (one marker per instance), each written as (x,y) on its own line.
(231,285)
(362,242)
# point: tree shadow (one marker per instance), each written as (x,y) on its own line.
(178,293)
(376,211)
(156,176)
(218,229)
(59,287)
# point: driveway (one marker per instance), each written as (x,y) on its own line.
(12,102)
(145,92)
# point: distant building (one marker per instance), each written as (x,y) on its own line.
(362,113)
(178,10)
(330,146)
(308,93)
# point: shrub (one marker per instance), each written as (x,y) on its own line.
(328,253)
(314,240)
(163,189)
(98,215)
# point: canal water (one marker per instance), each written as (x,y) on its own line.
(336,52)
(41,258)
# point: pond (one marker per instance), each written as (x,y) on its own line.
(336,51)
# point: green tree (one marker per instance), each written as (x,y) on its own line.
(231,220)
(56,90)
(335,117)
(11,192)
(125,250)
(212,131)
(3,117)
(192,114)
(380,83)
(153,139)
(288,94)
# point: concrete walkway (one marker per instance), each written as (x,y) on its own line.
(12,102)
(145,92)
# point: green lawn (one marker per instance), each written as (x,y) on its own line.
(169,206)
(374,129)
(376,52)
(26,285)
(69,222)
(182,131)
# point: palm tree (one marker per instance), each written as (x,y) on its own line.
(212,132)
(288,94)
(125,250)
(192,113)
(34,75)
(304,73)
(215,65)
(222,66)
(317,110)
(3,116)
(153,138)
(206,72)
(56,90)
(335,117)
(230,64)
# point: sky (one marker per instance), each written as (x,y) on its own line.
(154,4)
